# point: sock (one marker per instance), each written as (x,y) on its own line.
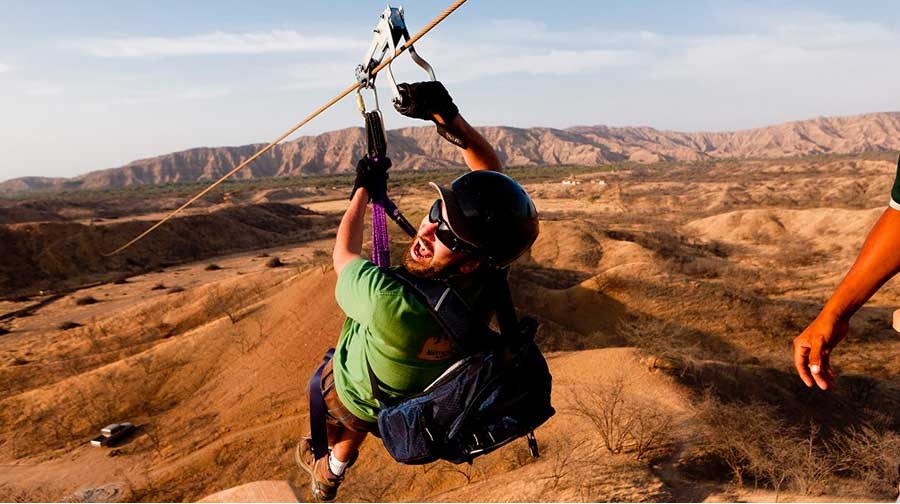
(337,467)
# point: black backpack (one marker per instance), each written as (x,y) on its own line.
(498,393)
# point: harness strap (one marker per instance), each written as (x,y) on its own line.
(373,381)
(394,213)
(506,313)
(454,314)
(318,410)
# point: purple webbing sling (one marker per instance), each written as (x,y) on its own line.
(381,253)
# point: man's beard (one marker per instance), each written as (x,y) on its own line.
(430,270)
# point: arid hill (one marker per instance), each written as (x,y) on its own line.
(421,148)
(671,326)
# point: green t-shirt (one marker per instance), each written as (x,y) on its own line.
(388,324)
(895,192)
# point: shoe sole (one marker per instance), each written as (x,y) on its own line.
(308,470)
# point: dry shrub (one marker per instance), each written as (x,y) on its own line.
(624,423)
(801,254)
(85,300)
(672,246)
(222,302)
(564,462)
(212,267)
(320,256)
(274,263)
(752,441)
(698,267)
(870,456)
(158,286)
(65,326)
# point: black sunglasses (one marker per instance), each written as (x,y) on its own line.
(443,231)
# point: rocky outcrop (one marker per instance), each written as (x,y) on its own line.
(421,148)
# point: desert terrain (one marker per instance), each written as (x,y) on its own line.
(668,295)
(419,148)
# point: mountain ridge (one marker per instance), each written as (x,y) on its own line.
(419,148)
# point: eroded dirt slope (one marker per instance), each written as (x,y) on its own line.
(681,288)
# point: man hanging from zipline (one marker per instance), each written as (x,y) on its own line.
(391,345)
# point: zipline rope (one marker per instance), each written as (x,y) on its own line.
(273,143)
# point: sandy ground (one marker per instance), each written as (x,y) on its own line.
(719,268)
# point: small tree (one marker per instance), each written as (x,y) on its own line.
(605,408)
(623,423)
(219,303)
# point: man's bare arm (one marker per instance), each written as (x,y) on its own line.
(348,243)
(878,261)
(478,154)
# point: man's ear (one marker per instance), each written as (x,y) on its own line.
(469,265)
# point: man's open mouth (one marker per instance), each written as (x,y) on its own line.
(420,251)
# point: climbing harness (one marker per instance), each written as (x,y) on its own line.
(355,86)
(389,31)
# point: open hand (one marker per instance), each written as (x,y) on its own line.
(812,351)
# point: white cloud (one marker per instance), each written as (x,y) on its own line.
(779,53)
(770,48)
(319,75)
(275,41)
(515,32)
(203,93)
(45,90)
(5,68)
(547,62)
(195,93)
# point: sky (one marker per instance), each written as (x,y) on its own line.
(91,85)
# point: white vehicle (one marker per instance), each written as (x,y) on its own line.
(112,433)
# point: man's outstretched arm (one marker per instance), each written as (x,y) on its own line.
(878,261)
(478,153)
(430,101)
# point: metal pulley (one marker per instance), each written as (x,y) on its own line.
(389,32)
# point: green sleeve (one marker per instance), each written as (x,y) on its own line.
(357,287)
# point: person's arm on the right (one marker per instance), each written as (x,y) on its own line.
(878,261)
(478,153)
(430,101)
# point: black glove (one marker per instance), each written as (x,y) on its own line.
(422,100)
(371,174)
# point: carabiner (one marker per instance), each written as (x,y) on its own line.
(391,28)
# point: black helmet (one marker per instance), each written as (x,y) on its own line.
(493,213)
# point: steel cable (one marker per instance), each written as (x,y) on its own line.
(400,50)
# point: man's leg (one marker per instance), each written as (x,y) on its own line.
(345,446)
(345,433)
(328,472)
